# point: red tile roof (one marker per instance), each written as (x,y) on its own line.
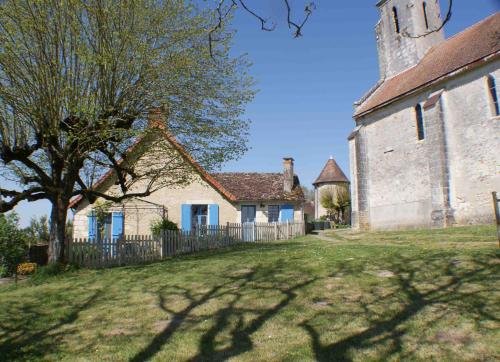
(253,186)
(465,49)
(331,173)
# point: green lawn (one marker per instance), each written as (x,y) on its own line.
(417,295)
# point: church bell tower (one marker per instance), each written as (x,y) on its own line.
(404,33)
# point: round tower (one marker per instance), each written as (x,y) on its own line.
(331,179)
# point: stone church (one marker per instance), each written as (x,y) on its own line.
(425,150)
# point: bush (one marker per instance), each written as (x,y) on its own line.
(26,268)
(3,271)
(13,243)
(161,225)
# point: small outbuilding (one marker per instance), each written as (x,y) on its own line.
(331,179)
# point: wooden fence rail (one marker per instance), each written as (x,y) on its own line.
(134,249)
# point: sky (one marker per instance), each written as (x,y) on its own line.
(307,86)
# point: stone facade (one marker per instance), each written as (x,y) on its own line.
(445,179)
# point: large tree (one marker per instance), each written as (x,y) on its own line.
(78,79)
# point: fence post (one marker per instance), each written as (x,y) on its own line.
(287,229)
(163,241)
(119,250)
(68,250)
(496,207)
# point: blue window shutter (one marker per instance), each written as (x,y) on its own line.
(118,219)
(186,217)
(286,213)
(213,213)
(92,226)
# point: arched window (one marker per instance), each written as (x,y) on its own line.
(492,87)
(424,8)
(396,19)
(420,122)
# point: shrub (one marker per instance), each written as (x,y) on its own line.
(13,243)
(161,225)
(26,268)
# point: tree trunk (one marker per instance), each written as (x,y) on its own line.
(57,230)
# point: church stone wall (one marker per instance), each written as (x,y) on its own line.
(445,179)
(474,145)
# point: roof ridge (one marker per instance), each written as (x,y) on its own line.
(470,27)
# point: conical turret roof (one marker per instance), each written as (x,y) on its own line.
(331,173)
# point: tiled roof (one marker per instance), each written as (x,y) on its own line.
(253,186)
(460,51)
(331,173)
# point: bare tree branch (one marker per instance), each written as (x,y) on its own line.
(33,194)
(224,11)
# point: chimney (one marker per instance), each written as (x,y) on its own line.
(156,117)
(288,174)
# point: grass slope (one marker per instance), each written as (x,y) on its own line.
(419,295)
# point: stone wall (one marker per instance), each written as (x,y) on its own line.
(445,179)
(398,52)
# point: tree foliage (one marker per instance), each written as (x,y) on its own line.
(38,230)
(78,81)
(13,243)
(336,203)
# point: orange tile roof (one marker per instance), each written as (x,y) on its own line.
(465,49)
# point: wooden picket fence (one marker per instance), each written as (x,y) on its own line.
(134,249)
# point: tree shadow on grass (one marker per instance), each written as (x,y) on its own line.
(26,343)
(387,331)
(233,290)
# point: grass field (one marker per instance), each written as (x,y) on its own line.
(417,295)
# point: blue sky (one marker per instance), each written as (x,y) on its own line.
(307,86)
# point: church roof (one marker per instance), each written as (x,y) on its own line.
(331,173)
(459,52)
